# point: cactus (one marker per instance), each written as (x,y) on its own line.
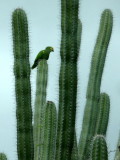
(93,90)
(3,156)
(22,85)
(103,114)
(41,84)
(99,148)
(67,79)
(49,132)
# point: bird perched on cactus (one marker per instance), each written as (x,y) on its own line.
(44,54)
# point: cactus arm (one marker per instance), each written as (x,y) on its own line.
(3,156)
(22,85)
(75,155)
(93,90)
(50,122)
(40,100)
(103,114)
(99,148)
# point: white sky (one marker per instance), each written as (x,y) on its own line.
(44,29)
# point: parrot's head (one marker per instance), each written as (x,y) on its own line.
(50,49)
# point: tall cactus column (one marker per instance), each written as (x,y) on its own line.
(67,79)
(93,90)
(40,101)
(22,85)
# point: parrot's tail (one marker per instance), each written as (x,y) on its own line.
(34,65)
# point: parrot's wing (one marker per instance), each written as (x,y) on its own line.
(39,56)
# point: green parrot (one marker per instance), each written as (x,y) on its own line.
(44,54)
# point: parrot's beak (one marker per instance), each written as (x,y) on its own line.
(53,49)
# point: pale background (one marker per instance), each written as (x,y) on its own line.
(44,29)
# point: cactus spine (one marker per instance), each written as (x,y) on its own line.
(41,84)
(103,114)
(99,148)
(67,79)
(22,85)
(93,90)
(3,156)
(49,132)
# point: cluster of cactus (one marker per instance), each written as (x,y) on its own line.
(52,136)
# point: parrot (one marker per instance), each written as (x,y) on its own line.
(44,54)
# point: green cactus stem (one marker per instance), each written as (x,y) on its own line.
(3,156)
(22,85)
(67,79)
(93,90)
(49,132)
(74,155)
(103,114)
(40,100)
(99,148)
